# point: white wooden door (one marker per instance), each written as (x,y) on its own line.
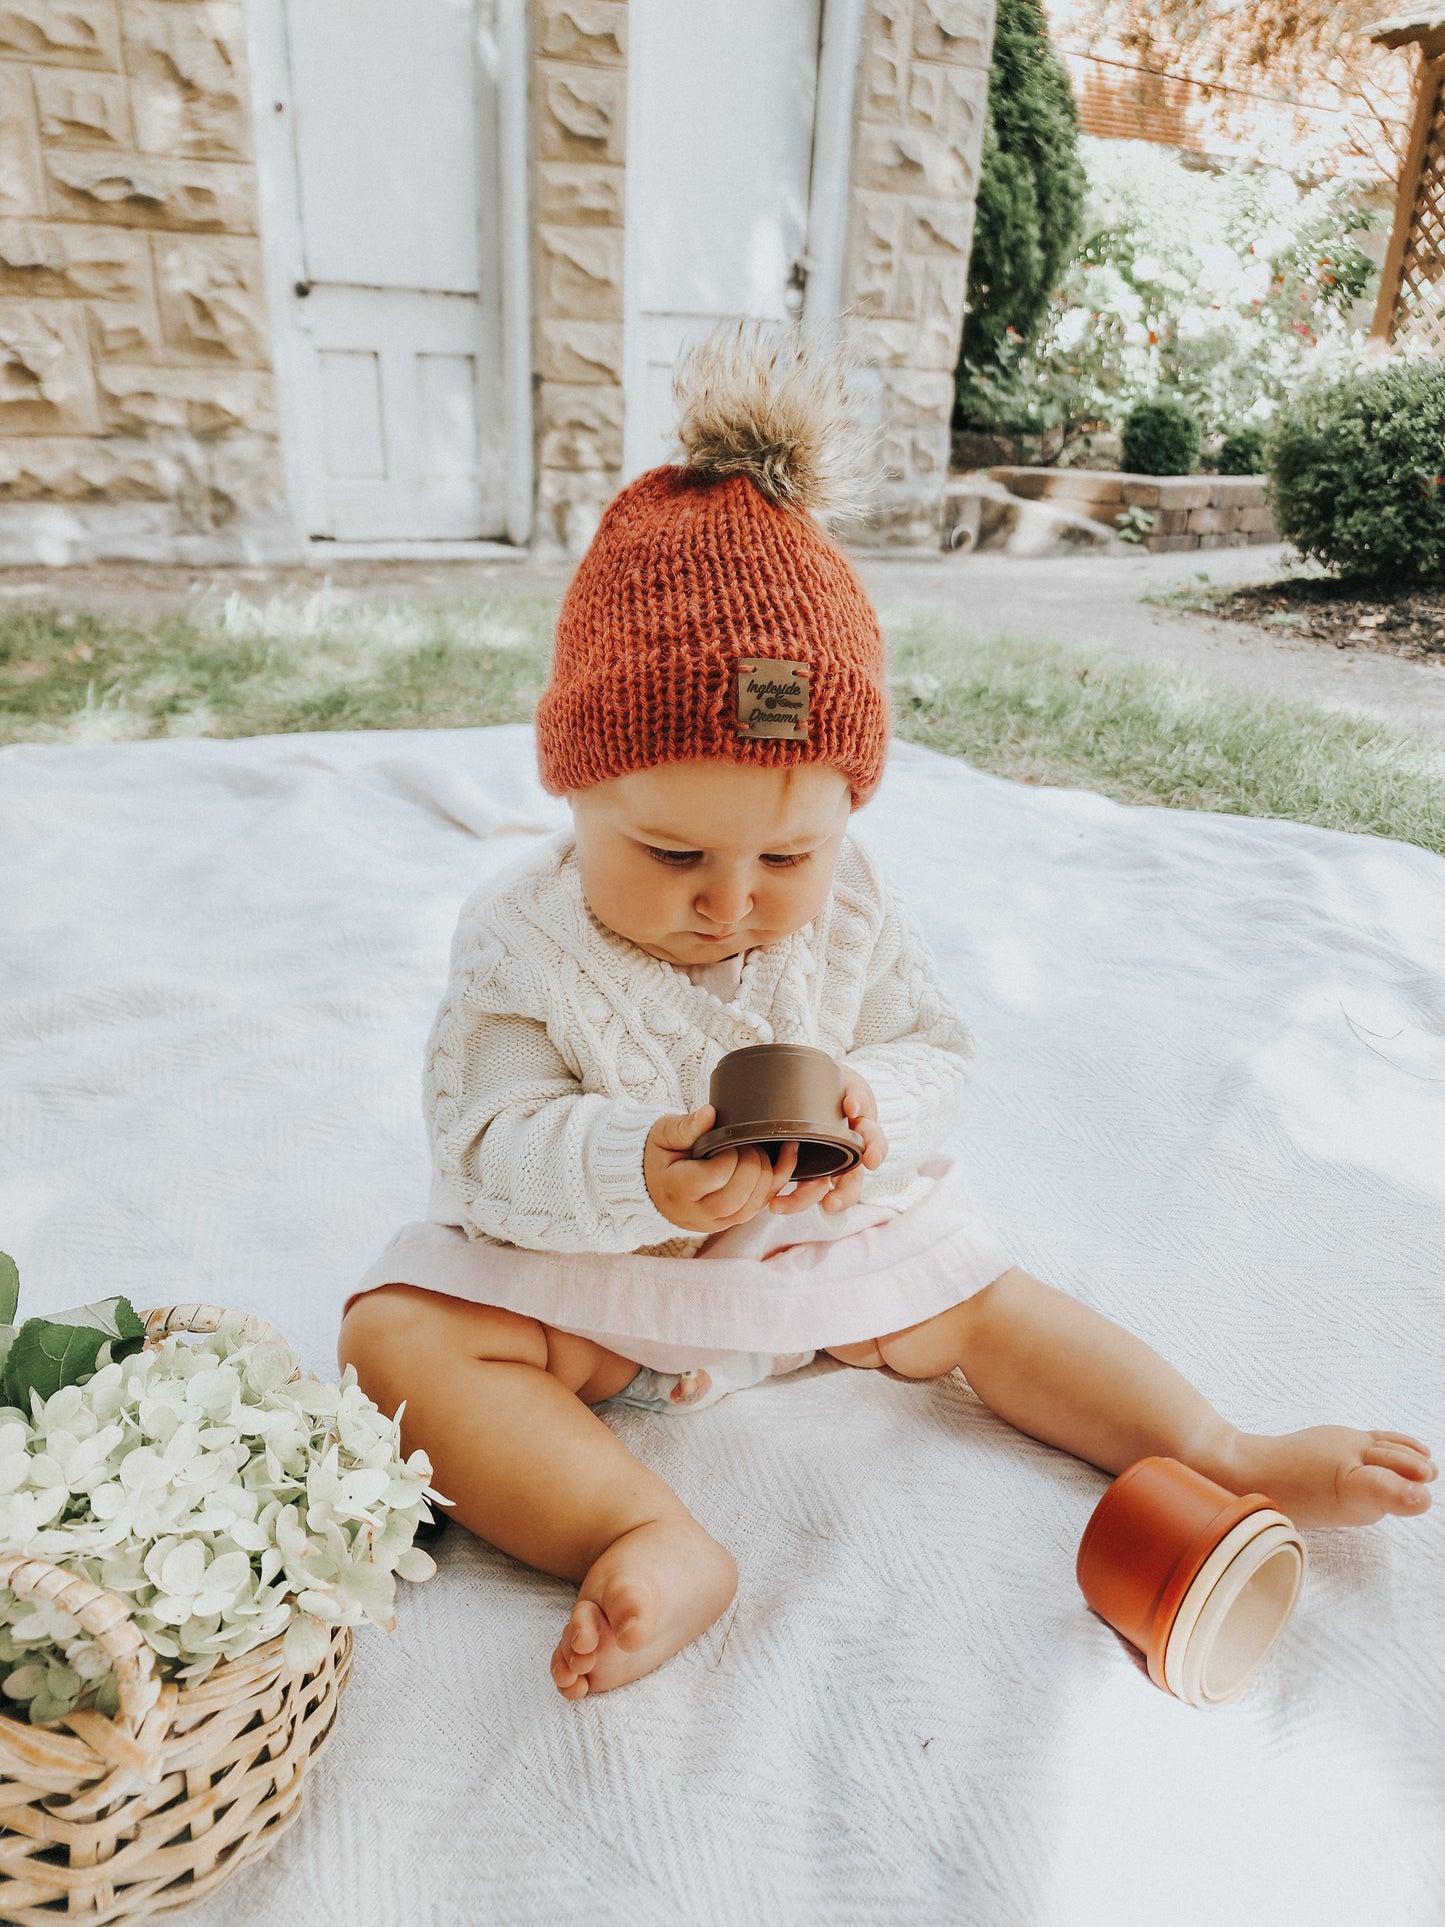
(394,308)
(720,104)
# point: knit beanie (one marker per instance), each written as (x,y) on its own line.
(712,616)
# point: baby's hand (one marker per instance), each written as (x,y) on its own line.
(860,1107)
(708,1194)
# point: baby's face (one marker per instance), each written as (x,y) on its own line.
(694,862)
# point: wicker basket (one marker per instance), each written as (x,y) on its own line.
(119,1819)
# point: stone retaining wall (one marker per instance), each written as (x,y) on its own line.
(1189,511)
(137,414)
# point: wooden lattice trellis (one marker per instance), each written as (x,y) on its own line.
(1418,309)
(1411,308)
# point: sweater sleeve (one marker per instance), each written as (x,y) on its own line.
(534,1158)
(911,1044)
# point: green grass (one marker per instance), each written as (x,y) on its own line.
(1045,714)
(1205,598)
(1030,710)
(297,662)
(1199,598)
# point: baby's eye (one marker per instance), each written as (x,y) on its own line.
(678,859)
(787,862)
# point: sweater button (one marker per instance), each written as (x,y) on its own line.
(743,1034)
(634,1070)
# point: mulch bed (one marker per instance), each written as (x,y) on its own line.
(1409,621)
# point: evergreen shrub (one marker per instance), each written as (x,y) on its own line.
(1030,189)
(1242,453)
(1357,470)
(1160,438)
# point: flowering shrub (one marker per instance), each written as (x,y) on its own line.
(226,1501)
(1223,289)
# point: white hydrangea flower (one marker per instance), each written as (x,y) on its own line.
(226,1502)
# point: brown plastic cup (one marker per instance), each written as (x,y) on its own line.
(771,1093)
(1200,1580)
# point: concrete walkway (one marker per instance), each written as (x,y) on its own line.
(1093,602)
(1097,603)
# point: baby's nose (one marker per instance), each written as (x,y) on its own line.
(724,901)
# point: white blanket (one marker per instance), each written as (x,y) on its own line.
(1211,1102)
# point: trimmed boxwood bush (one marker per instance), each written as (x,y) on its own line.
(1242,453)
(1160,438)
(1357,471)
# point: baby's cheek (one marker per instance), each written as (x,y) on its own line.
(797,895)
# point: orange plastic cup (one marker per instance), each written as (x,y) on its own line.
(1200,1580)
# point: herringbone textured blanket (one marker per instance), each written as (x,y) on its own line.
(1211,1101)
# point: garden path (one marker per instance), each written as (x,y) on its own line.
(1094,602)
(1098,602)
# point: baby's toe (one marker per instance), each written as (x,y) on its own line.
(578,1649)
(571,1685)
(1399,1454)
(585,1629)
(1371,1491)
(582,1638)
(630,1613)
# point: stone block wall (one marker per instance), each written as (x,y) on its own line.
(579,120)
(918,139)
(137,406)
(137,415)
(1202,511)
(1184,511)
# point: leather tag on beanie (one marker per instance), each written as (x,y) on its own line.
(773,698)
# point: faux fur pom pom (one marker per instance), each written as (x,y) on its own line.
(779,407)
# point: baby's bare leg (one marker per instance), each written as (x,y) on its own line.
(1073,1378)
(496,1401)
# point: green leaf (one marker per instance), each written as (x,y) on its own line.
(115,1317)
(9,1288)
(46,1354)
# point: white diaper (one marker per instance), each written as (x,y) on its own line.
(677,1392)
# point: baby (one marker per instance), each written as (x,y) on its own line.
(717,710)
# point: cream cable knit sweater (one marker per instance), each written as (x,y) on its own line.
(558,1044)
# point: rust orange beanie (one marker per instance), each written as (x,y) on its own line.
(711,616)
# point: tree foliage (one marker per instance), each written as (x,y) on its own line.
(1031,184)
(1304,51)
(1222,288)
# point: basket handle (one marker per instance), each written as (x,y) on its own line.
(131,1740)
(207,1318)
(107,1620)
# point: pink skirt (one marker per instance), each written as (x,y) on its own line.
(774,1285)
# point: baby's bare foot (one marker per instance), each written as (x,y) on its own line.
(1332,1475)
(653,1590)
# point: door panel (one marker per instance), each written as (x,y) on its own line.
(719,141)
(384,141)
(446,412)
(352,442)
(396,313)
(399,419)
